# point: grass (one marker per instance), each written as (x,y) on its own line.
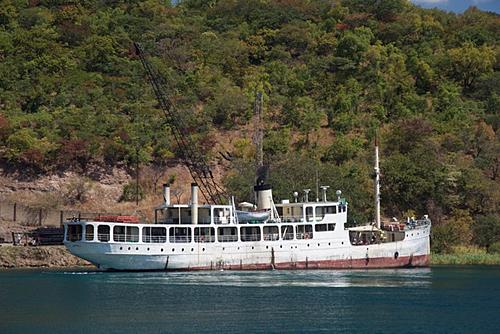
(462,255)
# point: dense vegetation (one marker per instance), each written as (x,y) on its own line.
(333,74)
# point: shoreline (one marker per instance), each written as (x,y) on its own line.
(466,259)
(57,257)
(25,257)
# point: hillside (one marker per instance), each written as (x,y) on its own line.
(334,74)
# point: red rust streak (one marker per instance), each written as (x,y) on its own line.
(371,263)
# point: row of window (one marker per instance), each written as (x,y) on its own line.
(201,234)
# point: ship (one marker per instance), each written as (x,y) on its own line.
(292,234)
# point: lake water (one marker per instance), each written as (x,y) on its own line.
(437,300)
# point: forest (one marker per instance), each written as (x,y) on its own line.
(335,75)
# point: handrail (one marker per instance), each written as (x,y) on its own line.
(227,238)
(204,238)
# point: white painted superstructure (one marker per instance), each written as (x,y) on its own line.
(306,235)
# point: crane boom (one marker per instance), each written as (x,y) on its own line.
(194,160)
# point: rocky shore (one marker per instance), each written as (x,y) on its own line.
(36,257)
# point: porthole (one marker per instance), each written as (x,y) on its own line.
(396,255)
(192,249)
(329,244)
(318,245)
(342,242)
(129,248)
(267,247)
(223,248)
(161,249)
(173,250)
(281,246)
(307,245)
(203,249)
(148,249)
(121,248)
(238,248)
(182,250)
(136,248)
(291,247)
(252,247)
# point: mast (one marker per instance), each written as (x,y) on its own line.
(377,186)
(259,132)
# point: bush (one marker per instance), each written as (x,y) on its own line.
(77,191)
(494,248)
(455,231)
(130,192)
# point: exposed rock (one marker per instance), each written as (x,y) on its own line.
(42,256)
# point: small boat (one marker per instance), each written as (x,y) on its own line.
(252,216)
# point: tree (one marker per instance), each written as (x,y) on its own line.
(468,63)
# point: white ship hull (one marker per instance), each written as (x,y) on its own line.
(328,251)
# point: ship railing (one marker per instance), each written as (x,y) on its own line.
(179,239)
(413,224)
(227,238)
(154,239)
(292,219)
(250,237)
(104,237)
(204,238)
(223,220)
(300,219)
(126,237)
(271,237)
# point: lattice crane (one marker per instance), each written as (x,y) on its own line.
(191,156)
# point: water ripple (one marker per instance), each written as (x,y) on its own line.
(264,279)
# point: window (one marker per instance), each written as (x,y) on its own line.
(321,211)
(221,215)
(103,233)
(324,227)
(250,233)
(203,215)
(271,233)
(89,232)
(309,213)
(119,233)
(154,234)
(304,232)
(287,232)
(74,232)
(279,209)
(180,234)
(204,234)
(126,233)
(227,234)
(132,234)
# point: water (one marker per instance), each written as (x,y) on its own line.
(437,300)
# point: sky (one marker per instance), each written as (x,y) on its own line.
(458,6)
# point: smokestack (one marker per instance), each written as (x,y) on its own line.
(324,189)
(166,194)
(264,195)
(306,195)
(194,203)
